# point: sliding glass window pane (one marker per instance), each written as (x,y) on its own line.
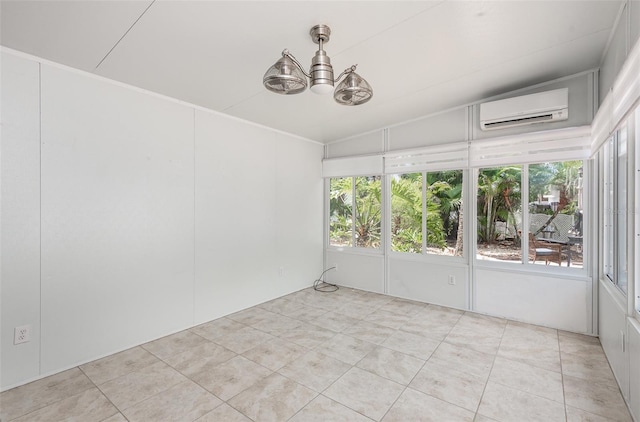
(406,212)
(636,207)
(340,211)
(368,211)
(499,214)
(609,206)
(444,213)
(556,214)
(621,215)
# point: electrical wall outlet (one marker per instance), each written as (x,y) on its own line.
(282,272)
(452,280)
(335,267)
(22,334)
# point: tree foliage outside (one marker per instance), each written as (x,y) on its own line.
(363,224)
(554,188)
(563,178)
(499,200)
(340,211)
(356,212)
(443,206)
(356,208)
(406,213)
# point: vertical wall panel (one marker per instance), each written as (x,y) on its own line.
(117,218)
(359,271)
(536,299)
(634,20)
(299,201)
(235,215)
(20,234)
(369,143)
(612,328)
(615,56)
(433,130)
(429,282)
(634,366)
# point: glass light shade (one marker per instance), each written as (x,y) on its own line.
(353,90)
(323,88)
(284,77)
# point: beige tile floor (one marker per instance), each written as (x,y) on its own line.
(343,356)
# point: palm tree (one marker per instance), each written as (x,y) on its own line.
(498,198)
(406,213)
(447,188)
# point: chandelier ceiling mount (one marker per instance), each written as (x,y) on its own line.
(288,77)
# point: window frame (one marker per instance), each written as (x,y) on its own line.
(424,254)
(354,244)
(524,265)
(615,220)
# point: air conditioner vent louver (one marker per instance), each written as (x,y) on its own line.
(550,106)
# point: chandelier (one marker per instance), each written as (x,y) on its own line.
(287,76)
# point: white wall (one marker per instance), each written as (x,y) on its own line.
(552,301)
(363,271)
(258,209)
(20,234)
(624,37)
(117,218)
(450,126)
(633,345)
(368,143)
(612,329)
(429,282)
(155,216)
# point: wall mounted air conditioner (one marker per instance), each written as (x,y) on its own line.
(550,106)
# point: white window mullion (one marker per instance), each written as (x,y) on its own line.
(524,205)
(424,213)
(353,212)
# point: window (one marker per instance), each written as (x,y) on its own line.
(556,211)
(616,223)
(355,211)
(553,227)
(499,214)
(341,211)
(621,215)
(406,212)
(636,129)
(434,208)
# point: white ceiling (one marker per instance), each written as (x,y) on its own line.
(421,57)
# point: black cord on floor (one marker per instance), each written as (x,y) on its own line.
(322,286)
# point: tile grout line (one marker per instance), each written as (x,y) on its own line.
(491,370)
(564,399)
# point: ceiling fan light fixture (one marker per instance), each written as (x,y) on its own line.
(287,76)
(353,90)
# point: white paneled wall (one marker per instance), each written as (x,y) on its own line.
(300,213)
(20,234)
(612,328)
(433,130)
(369,143)
(235,215)
(552,301)
(633,346)
(155,216)
(429,282)
(258,215)
(359,271)
(117,217)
